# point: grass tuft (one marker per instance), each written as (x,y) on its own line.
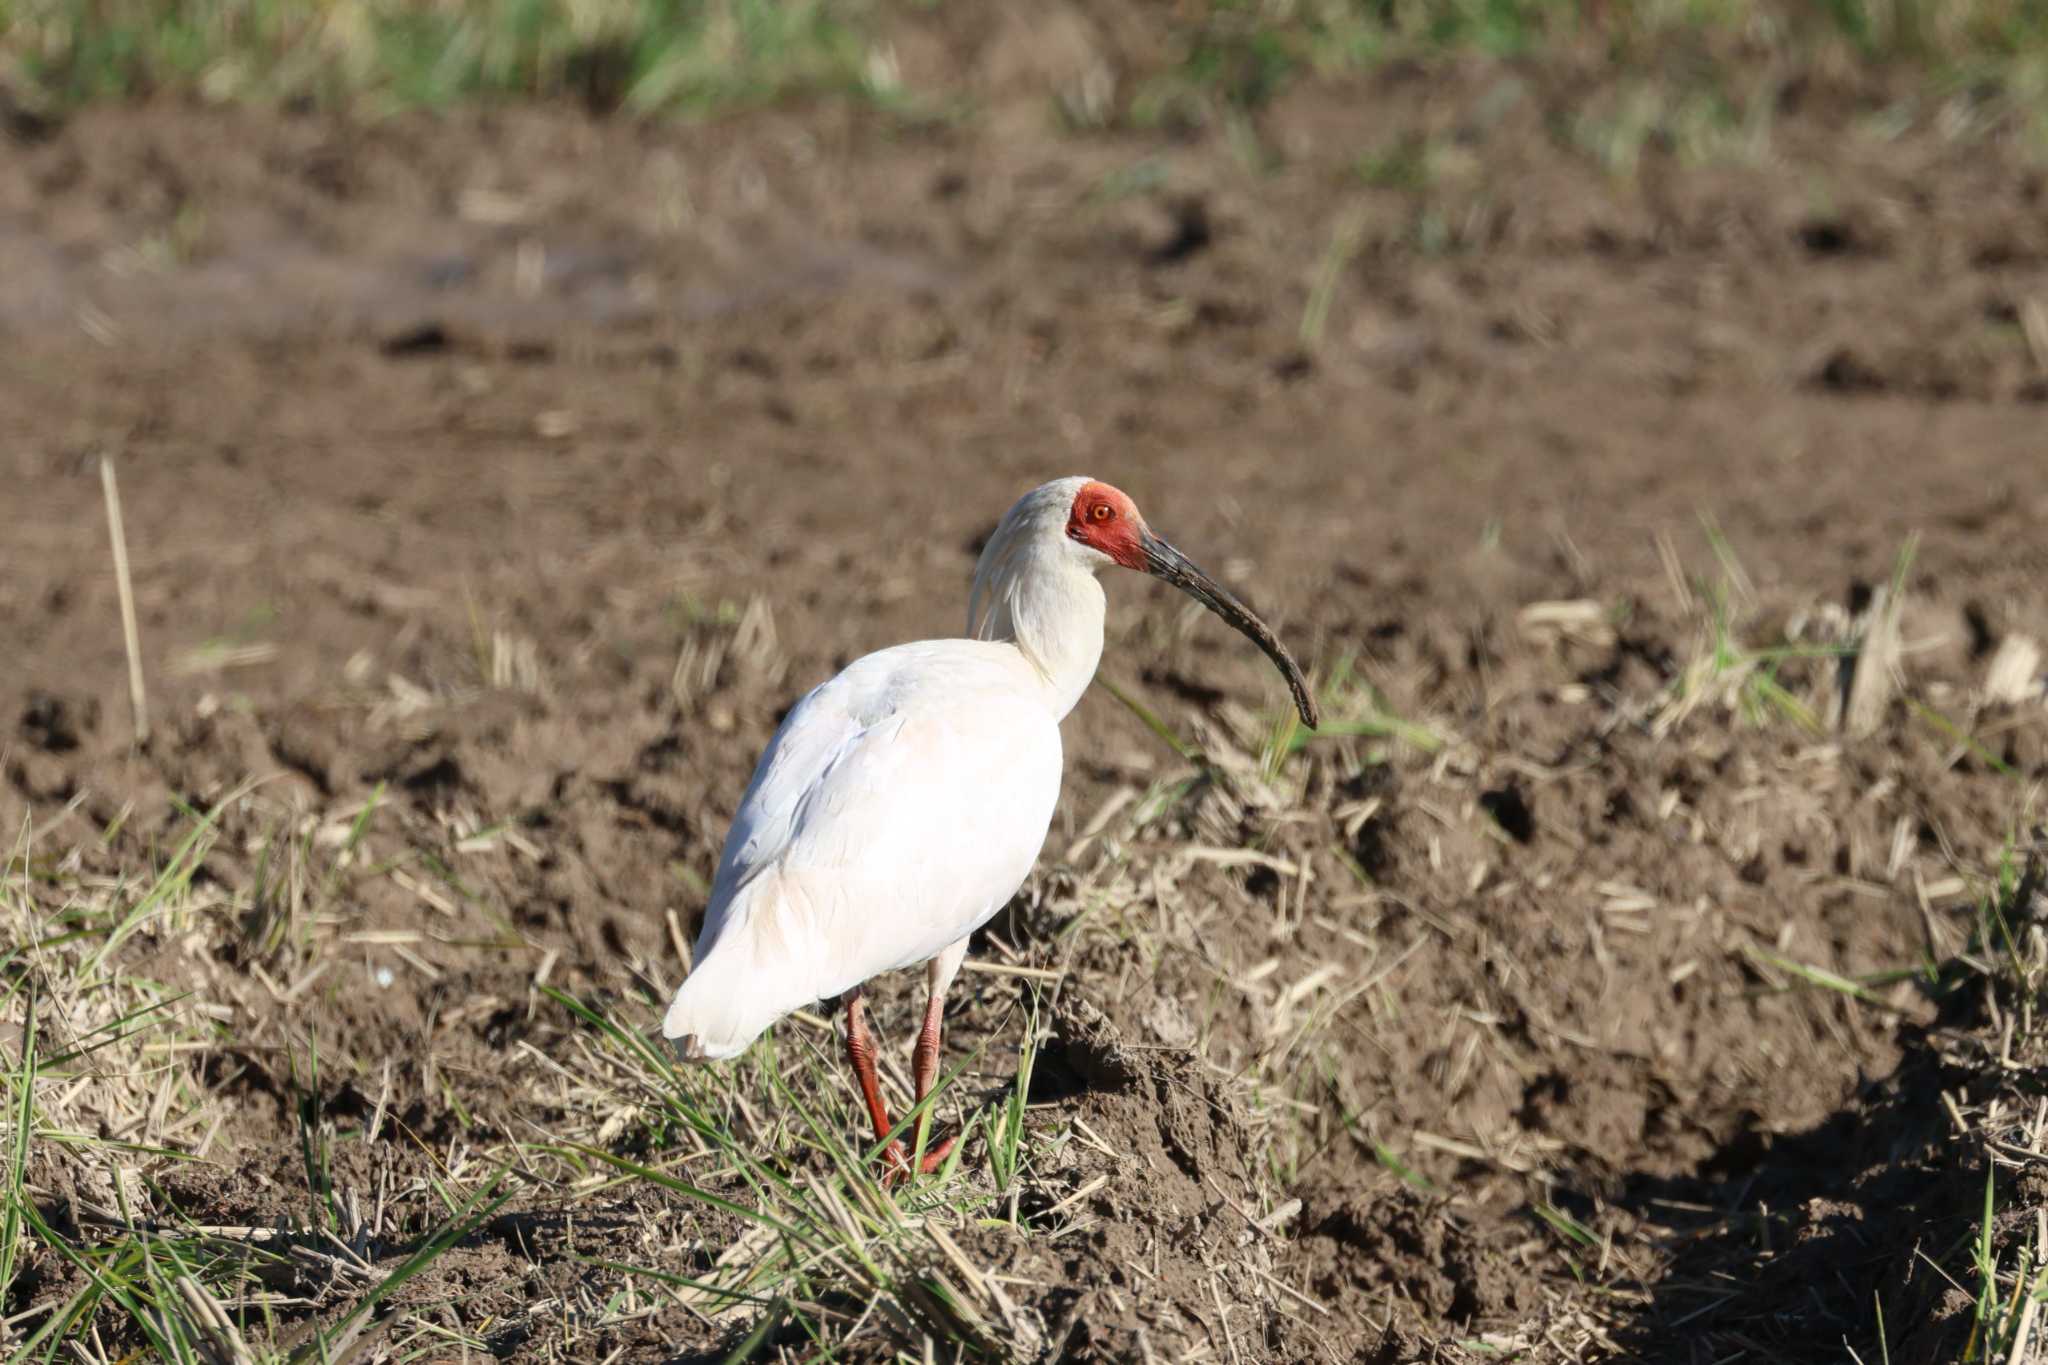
(811,1237)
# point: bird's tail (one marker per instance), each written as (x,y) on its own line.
(714,1015)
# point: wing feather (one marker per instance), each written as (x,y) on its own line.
(898,807)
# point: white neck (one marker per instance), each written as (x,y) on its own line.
(1035,590)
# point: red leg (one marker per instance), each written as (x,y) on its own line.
(925,1063)
(926,1059)
(860,1050)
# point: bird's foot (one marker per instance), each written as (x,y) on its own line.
(896,1163)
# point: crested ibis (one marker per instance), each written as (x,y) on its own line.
(902,803)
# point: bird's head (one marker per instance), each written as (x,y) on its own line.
(1104,524)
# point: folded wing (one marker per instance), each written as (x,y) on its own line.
(900,805)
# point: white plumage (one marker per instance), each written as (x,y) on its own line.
(898,808)
(902,803)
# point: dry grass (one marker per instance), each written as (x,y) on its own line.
(107,1084)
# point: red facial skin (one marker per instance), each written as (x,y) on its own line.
(1104,518)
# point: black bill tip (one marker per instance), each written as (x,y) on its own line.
(1164,562)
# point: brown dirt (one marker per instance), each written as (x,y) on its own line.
(474,426)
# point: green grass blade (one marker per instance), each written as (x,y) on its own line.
(175,877)
(1955,732)
(1151,720)
(1406,1173)
(1564,1224)
(690,1191)
(771,1323)
(670,1277)
(115,1029)
(24,1114)
(1820,976)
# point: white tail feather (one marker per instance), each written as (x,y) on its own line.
(717,1012)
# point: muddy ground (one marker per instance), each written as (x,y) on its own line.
(530,465)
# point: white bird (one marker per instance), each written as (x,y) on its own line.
(902,803)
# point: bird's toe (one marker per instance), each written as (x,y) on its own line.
(936,1154)
(897,1165)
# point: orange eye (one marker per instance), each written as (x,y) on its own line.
(1101,511)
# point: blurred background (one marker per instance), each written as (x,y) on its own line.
(1633,413)
(1406,278)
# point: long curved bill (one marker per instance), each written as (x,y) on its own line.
(1164,562)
